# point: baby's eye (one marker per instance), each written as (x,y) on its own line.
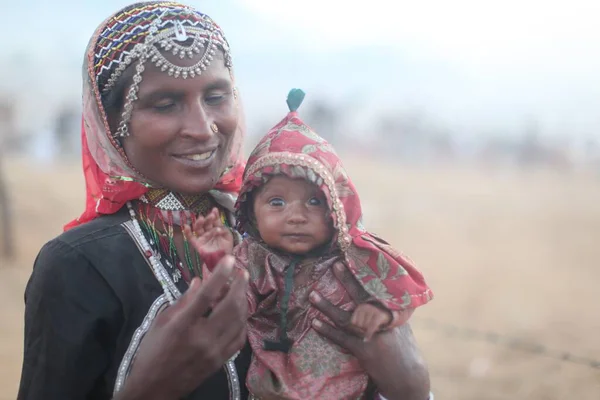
(276,202)
(315,202)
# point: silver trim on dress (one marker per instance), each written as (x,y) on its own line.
(159,304)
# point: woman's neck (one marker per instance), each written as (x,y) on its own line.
(166,200)
(175,209)
(162,213)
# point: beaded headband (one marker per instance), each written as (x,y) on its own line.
(143,33)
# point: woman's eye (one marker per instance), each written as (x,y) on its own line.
(277,202)
(215,99)
(165,106)
(315,202)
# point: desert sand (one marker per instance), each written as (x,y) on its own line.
(517,253)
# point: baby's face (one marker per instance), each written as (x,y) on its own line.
(292,215)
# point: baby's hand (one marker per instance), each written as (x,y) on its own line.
(369,318)
(208,235)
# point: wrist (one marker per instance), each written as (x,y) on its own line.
(379,396)
(211,259)
(131,391)
(415,387)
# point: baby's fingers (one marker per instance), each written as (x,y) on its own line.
(187,232)
(209,220)
(356,317)
(199,225)
(215,218)
(372,326)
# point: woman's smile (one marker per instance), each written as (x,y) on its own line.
(197,160)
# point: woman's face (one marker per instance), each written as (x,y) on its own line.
(171,140)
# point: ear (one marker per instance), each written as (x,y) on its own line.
(250,199)
(252,220)
(249,211)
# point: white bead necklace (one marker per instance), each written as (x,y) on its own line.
(153,257)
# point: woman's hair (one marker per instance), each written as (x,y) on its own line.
(114,100)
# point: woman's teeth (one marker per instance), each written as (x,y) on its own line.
(199,157)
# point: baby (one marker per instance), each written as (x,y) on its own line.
(300,213)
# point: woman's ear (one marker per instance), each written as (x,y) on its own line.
(113,101)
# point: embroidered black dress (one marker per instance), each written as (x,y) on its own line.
(90,290)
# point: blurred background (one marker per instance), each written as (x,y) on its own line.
(470,128)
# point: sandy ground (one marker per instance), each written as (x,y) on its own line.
(514,253)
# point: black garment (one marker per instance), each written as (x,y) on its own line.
(89,291)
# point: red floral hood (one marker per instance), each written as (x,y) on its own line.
(293,149)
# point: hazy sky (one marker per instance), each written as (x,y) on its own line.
(473,65)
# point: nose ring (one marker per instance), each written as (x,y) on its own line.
(214,128)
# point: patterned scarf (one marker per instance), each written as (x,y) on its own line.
(111,181)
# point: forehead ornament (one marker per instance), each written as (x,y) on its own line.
(198,37)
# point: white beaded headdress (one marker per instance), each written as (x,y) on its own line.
(146,31)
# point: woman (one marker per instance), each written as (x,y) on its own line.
(114,307)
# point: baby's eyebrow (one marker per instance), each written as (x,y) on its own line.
(271,192)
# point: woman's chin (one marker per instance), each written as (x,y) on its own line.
(195,189)
(192,183)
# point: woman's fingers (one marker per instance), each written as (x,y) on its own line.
(352,286)
(200,301)
(233,308)
(337,336)
(341,318)
(226,325)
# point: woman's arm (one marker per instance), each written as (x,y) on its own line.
(192,339)
(380,397)
(71,320)
(390,358)
(71,323)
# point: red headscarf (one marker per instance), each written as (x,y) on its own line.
(111,180)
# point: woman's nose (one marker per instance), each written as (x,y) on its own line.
(196,123)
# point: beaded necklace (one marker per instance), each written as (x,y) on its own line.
(155,217)
(152,252)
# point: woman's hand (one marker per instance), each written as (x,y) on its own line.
(188,342)
(390,358)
